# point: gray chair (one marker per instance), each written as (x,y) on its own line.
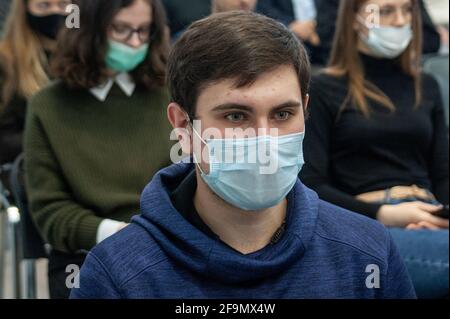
(437,66)
(9,237)
(31,244)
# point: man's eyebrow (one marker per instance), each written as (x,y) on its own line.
(289,104)
(246,108)
(232,106)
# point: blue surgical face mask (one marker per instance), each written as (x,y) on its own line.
(123,58)
(387,42)
(253,173)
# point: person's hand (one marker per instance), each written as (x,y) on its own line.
(306,30)
(422,225)
(414,215)
(443,32)
(314,39)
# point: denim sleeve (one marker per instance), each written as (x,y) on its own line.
(398,284)
(95,282)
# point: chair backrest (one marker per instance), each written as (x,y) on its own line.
(437,66)
(33,245)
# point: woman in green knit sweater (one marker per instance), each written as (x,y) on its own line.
(94,139)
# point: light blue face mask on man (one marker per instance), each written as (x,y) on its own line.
(123,58)
(245,175)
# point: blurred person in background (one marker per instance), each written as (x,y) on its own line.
(376,141)
(439,12)
(326,27)
(181,13)
(95,137)
(301,17)
(314,21)
(25,48)
(4,9)
(231,5)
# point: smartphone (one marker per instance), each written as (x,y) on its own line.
(444,212)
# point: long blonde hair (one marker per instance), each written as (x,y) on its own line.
(345,60)
(22,57)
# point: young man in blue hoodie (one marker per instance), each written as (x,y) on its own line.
(241,225)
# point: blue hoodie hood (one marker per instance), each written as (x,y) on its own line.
(196,251)
(323,253)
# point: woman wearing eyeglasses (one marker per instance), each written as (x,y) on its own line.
(377,142)
(96,137)
(27,43)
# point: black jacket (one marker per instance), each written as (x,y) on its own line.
(181,13)
(12,123)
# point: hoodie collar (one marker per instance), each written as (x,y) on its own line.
(210,257)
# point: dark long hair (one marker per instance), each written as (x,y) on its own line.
(79,60)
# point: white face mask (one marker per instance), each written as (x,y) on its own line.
(250,185)
(387,42)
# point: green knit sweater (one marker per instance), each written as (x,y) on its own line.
(87,160)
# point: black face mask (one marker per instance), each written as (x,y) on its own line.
(48,25)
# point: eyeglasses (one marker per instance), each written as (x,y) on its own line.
(389,14)
(124,33)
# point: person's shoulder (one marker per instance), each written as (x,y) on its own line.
(127,253)
(54,88)
(431,90)
(155,96)
(326,80)
(429,81)
(159,93)
(328,89)
(344,227)
(327,93)
(154,91)
(52,95)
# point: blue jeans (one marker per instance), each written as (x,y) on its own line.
(425,253)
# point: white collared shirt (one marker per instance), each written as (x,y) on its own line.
(304,10)
(107,228)
(123,80)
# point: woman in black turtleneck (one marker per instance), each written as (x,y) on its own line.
(377,123)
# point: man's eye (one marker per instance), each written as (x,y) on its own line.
(235,117)
(282,116)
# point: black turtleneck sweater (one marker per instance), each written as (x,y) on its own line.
(349,154)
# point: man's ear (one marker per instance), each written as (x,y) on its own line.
(306,103)
(356,26)
(180,122)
